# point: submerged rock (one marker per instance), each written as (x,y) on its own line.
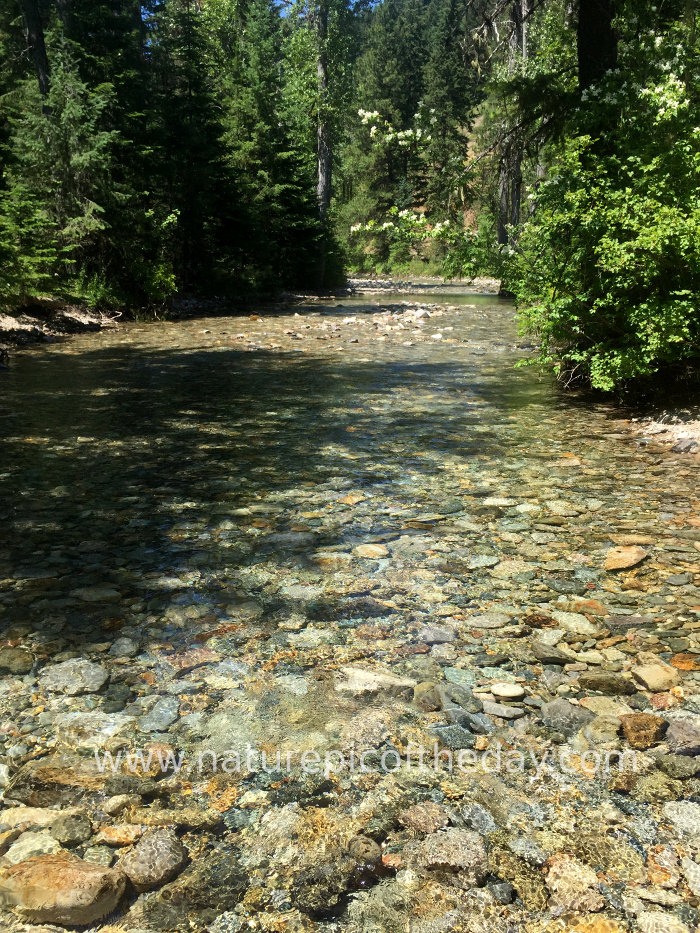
(156,858)
(359,681)
(606,682)
(656,676)
(456,850)
(623,557)
(73,677)
(642,730)
(565,717)
(573,885)
(61,889)
(16,660)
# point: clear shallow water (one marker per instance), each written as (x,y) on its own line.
(202,486)
(123,452)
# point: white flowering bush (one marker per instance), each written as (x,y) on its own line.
(402,235)
(463,252)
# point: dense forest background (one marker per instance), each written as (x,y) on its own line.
(227,147)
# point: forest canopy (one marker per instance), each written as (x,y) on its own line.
(228,147)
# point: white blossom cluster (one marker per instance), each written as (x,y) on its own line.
(369,116)
(669,97)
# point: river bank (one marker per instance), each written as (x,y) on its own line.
(44,322)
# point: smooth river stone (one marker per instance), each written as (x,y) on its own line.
(73,677)
(503,712)
(371,551)
(489,620)
(684,815)
(506,691)
(157,858)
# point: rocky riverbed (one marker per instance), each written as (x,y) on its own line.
(463,610)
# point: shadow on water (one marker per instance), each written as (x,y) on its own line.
(127,467)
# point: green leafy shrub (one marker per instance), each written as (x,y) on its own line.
(607,269)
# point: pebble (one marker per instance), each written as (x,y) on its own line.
(683,816)
(425,817)
(576,623)
(359,681)
(642,730)
(29,845)
(16,660)
(507,691)
(455,736)
(124,647)
(691,873)
(371,551)
(656,921)
(656,677)
(548,654)
(70,829)
(683,738)
(573,885)
(624,557)
(503,712)
(453,848)
(565,717)
(606,682)
(489,620)
(161,716)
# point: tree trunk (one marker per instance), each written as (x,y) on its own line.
(323,187)
(324,151)
(35,40)
(516,187)
(596,41)
(510,169)
(63,8)
(503,185)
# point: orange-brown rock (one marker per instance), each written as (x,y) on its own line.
(61,889)
(596,925)
(686,662)
(621,558)
(642,730)
(122,834)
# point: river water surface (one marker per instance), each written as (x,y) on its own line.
(233,516)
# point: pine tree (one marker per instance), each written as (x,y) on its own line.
(272,176)
(57,179)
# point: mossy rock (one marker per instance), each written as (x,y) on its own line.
(527,881)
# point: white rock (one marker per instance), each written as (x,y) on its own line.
(576,623)
(656,677)
(91,730)
(34,817)
(73,677)
(691,871)
(360,681)
(683,815)
(29,845)
(657,921)
(506,691)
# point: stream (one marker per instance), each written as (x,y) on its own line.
(344,530)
